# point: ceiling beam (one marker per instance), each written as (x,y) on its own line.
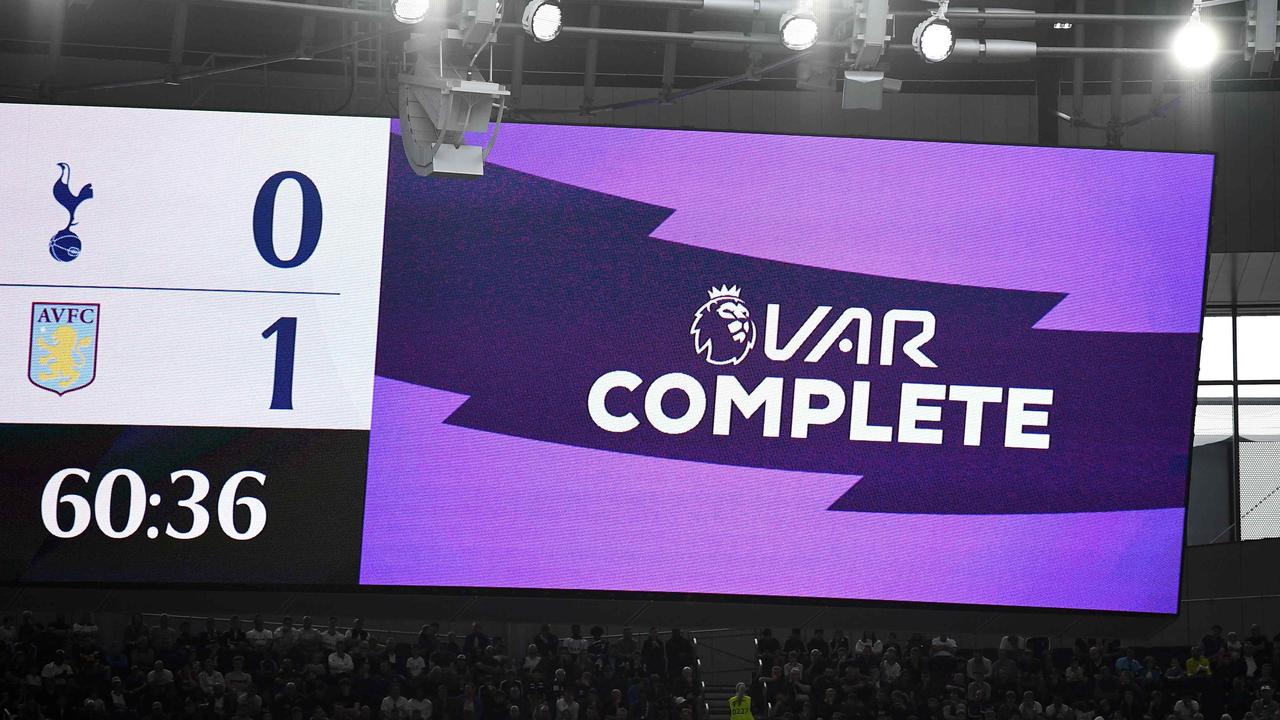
(306,8)
(1071,17)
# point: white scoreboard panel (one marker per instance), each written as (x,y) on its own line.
(230,264)
(188,316)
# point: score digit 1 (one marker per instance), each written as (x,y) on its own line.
(286,331)
(286,328)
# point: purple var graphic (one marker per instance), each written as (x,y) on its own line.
(551,331)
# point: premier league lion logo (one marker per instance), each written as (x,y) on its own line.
(722,330)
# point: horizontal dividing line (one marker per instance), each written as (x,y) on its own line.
(170,289)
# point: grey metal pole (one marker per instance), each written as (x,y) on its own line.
(1115,128)
(59,23)
(517,68)
(281,5)
(688,37)
(676,4)
(208,72)
(1048,91)
(178,39)
(1109,51)
(669,50)
(664,36)
(593,53)
(1077,68)
(1077,17)
(1236,519)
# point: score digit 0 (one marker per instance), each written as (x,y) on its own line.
(264,216)
(82,513)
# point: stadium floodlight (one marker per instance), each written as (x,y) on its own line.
(442,101)
(541,20)
(446,102)
(1196,44)
(798,27)
(410,12)
(933,39)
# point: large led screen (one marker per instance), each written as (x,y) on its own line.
(242,348)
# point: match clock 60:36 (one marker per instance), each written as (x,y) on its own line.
(68,514)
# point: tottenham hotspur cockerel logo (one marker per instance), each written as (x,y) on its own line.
(722,330)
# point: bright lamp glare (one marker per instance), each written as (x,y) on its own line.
(934,40)
(546,22)
(799,31)
(1196,44)
(541,20)
(410,12)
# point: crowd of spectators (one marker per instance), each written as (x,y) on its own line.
(162,670)
(1224,677)
(215,670)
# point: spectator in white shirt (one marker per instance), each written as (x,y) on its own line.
(890,668)
(1186,708)
(395,706)
(86,629)
(415,665)
(868,645)
(259,636)
(211,681)
(419,707)
(1029,708)
(249,704)
(942,646)
(237,680)
(119,702)
(567,708)
(286,637)
(341,662)
(532,659)
(793,664)
(575,645)
(977,664)
(1010,642)
(1059,710)
(57,671)
(942,652)
(308,636)
(331,635)
(160,676)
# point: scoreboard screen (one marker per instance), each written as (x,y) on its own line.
(258,349)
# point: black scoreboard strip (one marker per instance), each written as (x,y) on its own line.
(312,492)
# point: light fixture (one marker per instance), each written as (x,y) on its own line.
(1196,44)
(410,12)
(541,20)
(933,38)
(446,103)
(798,27)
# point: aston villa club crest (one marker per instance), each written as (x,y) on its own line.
(64,246)
(64,346)
(723,332)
